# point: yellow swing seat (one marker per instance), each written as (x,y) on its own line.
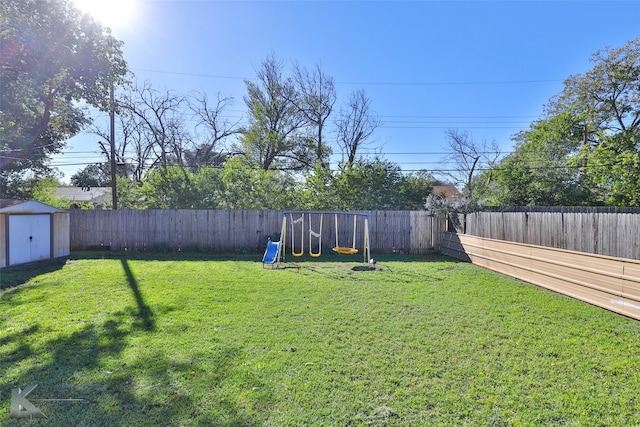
(345,251)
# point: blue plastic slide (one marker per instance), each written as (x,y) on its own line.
(271,253)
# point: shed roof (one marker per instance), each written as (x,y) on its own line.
(26,206)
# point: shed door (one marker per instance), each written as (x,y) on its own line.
(29,238)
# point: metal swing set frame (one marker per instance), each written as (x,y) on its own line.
(275,252)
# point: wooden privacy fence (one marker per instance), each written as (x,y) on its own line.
(608,282)
(590,230)
(416,232)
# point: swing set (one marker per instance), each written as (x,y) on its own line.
(294,222)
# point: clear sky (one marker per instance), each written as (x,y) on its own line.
(487,67)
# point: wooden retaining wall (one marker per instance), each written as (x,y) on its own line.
(416,232)
(592,230)
(3,240)
(608,282)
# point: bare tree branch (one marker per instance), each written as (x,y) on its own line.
(212,129)
(355,123)
(468,158)
(315,98)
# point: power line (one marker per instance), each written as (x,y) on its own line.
(468,83)
(449,127)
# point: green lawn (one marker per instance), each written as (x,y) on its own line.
(197,340)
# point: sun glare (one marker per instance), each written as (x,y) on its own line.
(111,13)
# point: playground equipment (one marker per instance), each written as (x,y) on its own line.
(293,227)
(343,250)
(355,224)
(317,235)
(271,254)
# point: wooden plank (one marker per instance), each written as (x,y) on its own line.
(3,240)
(423,233)
(631,280)
(61,236)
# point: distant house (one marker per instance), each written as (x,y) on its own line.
(449,192)
(98,196)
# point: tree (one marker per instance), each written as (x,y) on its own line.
(43,190)
(468,158)
(211,131)
(606,101)
(97,175)
(355,123)
(273,140)
(318,191)
(607,97)
(170,187)
(132,151)
(315,97)
(585,150)
(370,184)
(53,60)
(615,166)
(452,208)
(159,118)
(415,188)
(210,188)
(366,184)
(545,168)
(129,194)
(247,187)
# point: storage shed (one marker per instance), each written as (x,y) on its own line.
(32,231)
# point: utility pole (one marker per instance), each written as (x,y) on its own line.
(112,143)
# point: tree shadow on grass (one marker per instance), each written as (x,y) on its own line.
(145,315)
(150,387)
(93,362)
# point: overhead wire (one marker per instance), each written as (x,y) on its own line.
(388,121)
(374,83)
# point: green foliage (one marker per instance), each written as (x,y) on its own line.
(376,184)
(615,167)
(92,176)
(274,139)
(210,188)
(415,188)
(235,186)
(53,58)
(365,185)
(369,185)
(585,151)
(43,190)
(318,190)
(542,171)
(170,187)
(606,97)
(129,194)
(245,187)
(195,339)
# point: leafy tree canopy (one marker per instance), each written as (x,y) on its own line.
(585,150)
(54,60)
(96,175)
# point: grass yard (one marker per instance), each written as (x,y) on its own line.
(196,340)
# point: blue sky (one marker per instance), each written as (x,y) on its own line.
(487,67)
